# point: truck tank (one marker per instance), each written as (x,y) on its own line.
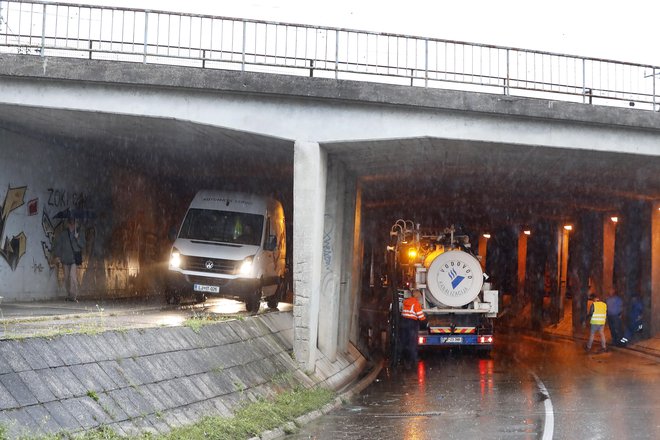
(454,278)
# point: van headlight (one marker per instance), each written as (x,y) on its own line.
(246,267)
(175,259)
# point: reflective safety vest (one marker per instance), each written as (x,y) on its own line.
(411,309)
(600,313)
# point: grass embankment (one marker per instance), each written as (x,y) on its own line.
(247,422)
(197,321)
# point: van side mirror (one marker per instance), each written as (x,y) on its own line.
(271,243)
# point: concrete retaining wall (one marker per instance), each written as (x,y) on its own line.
(154,379)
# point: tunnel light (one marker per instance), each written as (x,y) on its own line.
(412,253)
(568,227)
(614,219)
(486,235)
(527,232)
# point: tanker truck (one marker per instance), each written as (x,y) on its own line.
(460,306)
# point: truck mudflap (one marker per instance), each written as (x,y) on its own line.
(426,339)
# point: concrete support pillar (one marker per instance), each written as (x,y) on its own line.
(333,239)
(553,273)
(350,262)
(596,273)
(309,187)
(579,262)
(628,262)
(522,269)
(639,264)
(609,239)
(502,263)
(655,270)
(538,253)
(585,262)
(563,260)
(636,255)
(483,251)
(521,256)
(356,269)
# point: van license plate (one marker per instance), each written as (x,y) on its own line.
(202,288)
(454,340)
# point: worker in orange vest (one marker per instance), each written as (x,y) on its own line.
(597,316)
(411,316)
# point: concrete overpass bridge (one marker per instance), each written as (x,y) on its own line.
(94,120)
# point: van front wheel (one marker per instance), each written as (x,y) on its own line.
(172,297)
(273,300)
(253,302)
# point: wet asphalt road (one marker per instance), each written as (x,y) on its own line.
(615,395)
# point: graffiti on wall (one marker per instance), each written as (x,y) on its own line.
(67,205)
(37,268)
(47,244)
(13,248)
(328,238)
(33,207)
(60,198)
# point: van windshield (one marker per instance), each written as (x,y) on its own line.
(222,226)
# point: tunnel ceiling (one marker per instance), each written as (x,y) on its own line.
(163,148)
(427,179)
(488,184)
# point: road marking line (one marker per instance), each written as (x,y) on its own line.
(549,425)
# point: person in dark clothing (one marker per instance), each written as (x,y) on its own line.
(614,317)
(634,319)
(67,244)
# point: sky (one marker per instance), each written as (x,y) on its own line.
(621,30)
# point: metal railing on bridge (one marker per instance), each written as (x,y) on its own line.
(148,36)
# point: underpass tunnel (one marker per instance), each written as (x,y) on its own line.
(128,180)
(561,223)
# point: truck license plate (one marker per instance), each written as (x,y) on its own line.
(203,288)
(454,340)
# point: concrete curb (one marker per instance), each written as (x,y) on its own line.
(635,348)
(353,389)
(89,312)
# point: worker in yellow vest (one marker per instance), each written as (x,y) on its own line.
(597,316)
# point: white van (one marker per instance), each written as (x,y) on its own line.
(231,245)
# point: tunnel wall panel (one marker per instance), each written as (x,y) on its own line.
(124,216)
(38,182)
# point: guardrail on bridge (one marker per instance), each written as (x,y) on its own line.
(149,36)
